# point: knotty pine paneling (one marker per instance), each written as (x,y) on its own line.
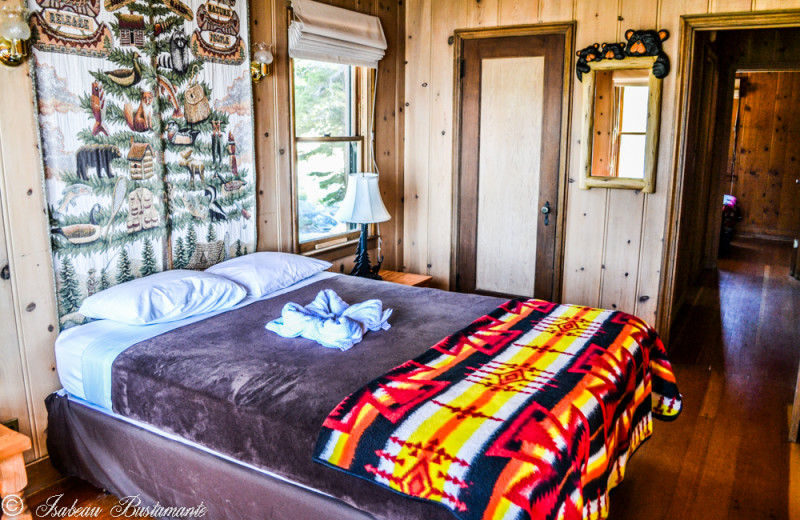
(27,242)
(600,222)
(768,146)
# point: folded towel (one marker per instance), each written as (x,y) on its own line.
(330,321)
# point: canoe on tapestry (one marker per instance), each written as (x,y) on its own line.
(145,123)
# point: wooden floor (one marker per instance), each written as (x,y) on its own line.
(735,352)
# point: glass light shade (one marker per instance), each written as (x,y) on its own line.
(262,56)
(14,26)
(362,202)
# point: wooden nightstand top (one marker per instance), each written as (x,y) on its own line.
(418,280)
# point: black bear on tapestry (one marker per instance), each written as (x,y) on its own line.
(97,156)
(589,54)
(613,51)
(648,43)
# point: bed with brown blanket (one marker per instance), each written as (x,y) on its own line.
(225,412)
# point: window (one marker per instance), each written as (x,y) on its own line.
(631,100)
(327,147)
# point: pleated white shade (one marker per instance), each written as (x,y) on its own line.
(362,202)
(324,32)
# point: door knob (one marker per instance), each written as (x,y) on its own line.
(546,212)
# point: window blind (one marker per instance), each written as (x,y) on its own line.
(327,33)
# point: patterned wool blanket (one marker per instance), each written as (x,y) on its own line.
(530,412)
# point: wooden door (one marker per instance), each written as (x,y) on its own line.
(512,91)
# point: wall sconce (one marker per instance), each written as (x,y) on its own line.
(261,66)
(14,36)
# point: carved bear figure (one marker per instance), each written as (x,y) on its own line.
(613,51)
(97,156)
(649,43)
(585,56)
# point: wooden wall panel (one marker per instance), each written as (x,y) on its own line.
(760,5)
(389,126)
(417,146)
(451,15)
(481,13)
(13,401)
(764,172)
(730,6)
(517,12)
(557,10)
(28,246)
(625,211)
(268,199)
(586,209)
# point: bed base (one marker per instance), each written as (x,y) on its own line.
(128,460)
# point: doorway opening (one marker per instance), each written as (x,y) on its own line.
(732,302)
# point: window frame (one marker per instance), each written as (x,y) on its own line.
(363,85)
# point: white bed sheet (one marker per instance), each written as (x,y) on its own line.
(72,344)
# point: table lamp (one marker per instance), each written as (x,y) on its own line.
(363,205)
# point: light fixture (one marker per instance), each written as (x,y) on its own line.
(363,205)
(14,35)
(261,65)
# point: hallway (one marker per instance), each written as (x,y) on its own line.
(735,349)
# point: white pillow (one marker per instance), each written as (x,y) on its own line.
(266,272)
(163,297)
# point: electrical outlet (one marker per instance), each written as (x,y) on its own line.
(12,424)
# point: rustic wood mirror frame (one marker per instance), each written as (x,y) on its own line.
(648,182)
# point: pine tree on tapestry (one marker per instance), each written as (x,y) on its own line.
(149,265)
(180,254)
(211,234)
(124,270)
(69,293)
(104,283)
(191,244)
(238,248)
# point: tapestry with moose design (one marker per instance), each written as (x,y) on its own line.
(145,122)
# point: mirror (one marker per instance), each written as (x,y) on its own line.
(621,112)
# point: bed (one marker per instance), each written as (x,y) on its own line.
(217,410)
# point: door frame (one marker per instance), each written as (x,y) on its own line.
(690,26)
(460,36)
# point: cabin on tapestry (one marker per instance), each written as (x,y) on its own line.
(140,161)
(421,259)
(131,30)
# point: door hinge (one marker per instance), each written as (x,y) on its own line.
(463,67)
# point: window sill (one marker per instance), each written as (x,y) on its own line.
(341,250)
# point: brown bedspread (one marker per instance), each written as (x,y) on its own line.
(229,384)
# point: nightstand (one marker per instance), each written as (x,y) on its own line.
(13,477)
(418,280)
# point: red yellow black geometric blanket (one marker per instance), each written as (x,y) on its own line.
(530,412)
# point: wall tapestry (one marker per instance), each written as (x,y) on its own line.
(145,122)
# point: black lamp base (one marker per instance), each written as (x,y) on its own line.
(362,267)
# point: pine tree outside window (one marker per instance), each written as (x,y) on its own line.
(328,145)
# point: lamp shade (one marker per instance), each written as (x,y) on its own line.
(362,202)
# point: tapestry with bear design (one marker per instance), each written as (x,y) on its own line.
(145,122)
